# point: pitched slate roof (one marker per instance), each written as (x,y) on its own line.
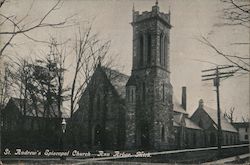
(117,79)
(191,124)
(177,107)
(181,119)
(31,112)
(225,125)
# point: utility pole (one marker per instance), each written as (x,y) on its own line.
(216,76)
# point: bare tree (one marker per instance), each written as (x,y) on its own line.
(22,27)
(58,57)
(230,115)
(5,85)
(88,52)
(235,13)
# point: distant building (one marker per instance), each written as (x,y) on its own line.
(23,126)
(206,118)
(20,114)
(244,131)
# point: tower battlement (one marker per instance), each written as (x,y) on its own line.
(154,13)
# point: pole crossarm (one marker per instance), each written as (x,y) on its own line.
(224,67)
(212,78)
(220,73)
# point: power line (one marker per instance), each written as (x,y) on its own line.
(216,76)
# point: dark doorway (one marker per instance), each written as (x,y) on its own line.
(97,136)
(145,136)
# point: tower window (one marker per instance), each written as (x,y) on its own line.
(143,92)
(149,50)
(161,49)
(141,47)
(132,95)
(163,133)
(165,50)
(163,92)
(128,95)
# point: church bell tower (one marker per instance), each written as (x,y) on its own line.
(148,91)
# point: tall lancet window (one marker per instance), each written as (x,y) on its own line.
(161,49)
(141,49)
(165,50)
(163,92)
(149,49)
(143,92)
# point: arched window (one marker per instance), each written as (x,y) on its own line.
(128,95)
(149,49)
(165,50)
(141,48)
(163,92)
(163,133)
(161,49)
(132,95)
(143,92)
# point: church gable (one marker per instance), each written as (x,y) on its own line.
(101,110)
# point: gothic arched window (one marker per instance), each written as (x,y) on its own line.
(165,50)
(161,49)
(163,133)
(143,92)
(141,48)
(149,49)
(132,95)
(163,92)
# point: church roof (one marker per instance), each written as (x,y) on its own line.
(181,119)
(212,113)
(117,79)
(177,107)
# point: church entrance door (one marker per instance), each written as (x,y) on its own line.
(144,136)
(97,136)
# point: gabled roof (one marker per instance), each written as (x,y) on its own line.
(212,113)
(177,107)
(117,79)
(182,120)
(191,124)
(31,112)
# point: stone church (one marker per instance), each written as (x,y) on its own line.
(117,111)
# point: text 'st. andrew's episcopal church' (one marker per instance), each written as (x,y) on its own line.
(118,111)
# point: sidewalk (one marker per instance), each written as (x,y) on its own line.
(228,160)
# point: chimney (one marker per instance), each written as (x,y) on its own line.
(184,98)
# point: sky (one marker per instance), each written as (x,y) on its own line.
(111,19)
